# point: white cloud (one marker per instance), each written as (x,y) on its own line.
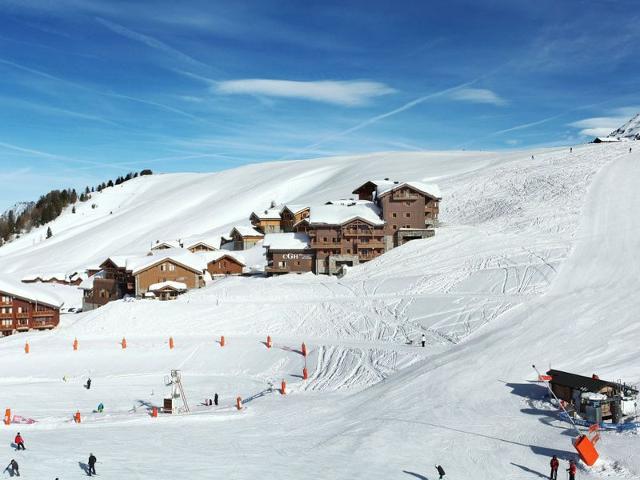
(600,126)
(349,93)
(478,95)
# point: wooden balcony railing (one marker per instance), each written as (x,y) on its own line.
(405,196)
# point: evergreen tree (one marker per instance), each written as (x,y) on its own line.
(110,183)
(146,171)
(73,210)
(49,232)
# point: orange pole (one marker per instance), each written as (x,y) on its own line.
(268,341)
(304,350)
(75,344)
(239,403)
(77,417)
(283,388)
(222,340)
(124,343)
(171,342)
(7,416)
(305,374)
(154,412)
(26,347)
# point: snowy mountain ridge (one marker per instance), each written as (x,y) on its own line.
(630,130)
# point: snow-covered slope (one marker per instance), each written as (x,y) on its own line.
(630,130)
(535,263)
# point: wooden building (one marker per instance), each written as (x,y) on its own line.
(222,263)
(58,278)
(244,237)
(168,290)
(288,253)
(197,244)
(113,282)
(186,268)
(266,221)
(166,245)
(291,215)
(23,309)
(409,209)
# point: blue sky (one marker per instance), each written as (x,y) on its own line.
(91,89)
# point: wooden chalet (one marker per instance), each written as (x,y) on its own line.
(266,221)
(113,282)
(186,268)
(291,215)
(23,309)
(166,245)
(223,263)
(244,237)
(209,245)
(168,290)
(288,253)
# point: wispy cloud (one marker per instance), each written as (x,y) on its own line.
(478,95)
(598,126)
(348,93)
(148,41)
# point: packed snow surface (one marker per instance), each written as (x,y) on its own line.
(535,262)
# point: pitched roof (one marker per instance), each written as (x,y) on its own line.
(212,241)
(581,382)
(28,292)
(167,244)
(171,285)
(209,257)
(286,241)
(184,258)
(246,231)
(340,214)
(429,189)
(294,208)
(268,214)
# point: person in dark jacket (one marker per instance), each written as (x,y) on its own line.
(424,340)
(440,471)
(572,470)
(13,468)
(554,464)
(215,399)
(19,442)
(88,385)
(92,464)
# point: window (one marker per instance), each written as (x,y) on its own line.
(7,323)
(19,309)
(172,267)
(348,250)
(394,214)
(324,239)
(163,267)
(407,214)
(6,299)
(407,203)
(395,227)
(407,226)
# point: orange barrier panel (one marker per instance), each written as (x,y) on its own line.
(305,374)
(283,388)
(545,378)
(171,342)
(7,416)
(586,450)
(75,344)
(26,347)
(268,341)
(154,412)
(77,418)
(222,340)
(123,343)
(239,403)
(304,350)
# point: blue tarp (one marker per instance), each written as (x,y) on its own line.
(620,427)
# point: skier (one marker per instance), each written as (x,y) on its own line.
(92,464)
(424,340)
(13,468)
(100,407)
(554,463)
(19,442)
(88,385)
(629,149)
(215,399)
(440,471)
(570,149)
(572,470)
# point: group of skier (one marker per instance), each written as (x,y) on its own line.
(555,464)
(14,469)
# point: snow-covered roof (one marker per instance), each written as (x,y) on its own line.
(294,208)
(29,292)
(209,257)
(347,202)
(119,261)
(340,214)
(45,277)
(246,231)
(166,244)
(168,284)
(212,241)
(606,139)
(268,214)
(182,257)
(429,189)
(286,241)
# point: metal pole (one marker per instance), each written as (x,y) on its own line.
(557,400)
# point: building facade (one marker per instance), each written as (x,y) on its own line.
(225,264)
(166,270)
(19,313)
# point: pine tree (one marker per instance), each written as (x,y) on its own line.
(73,210)
(110,183)
(49,232)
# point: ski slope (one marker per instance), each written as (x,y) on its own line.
(534,263)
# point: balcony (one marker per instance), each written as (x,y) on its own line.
(22,315)
(47,313)
(6,315)
(272,269)
(326,245)
(405,196)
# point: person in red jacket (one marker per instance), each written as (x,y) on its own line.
(554,463)
(572,470)
(19,442)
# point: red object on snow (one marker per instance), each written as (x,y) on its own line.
(239,403)
(222,340)
(304,350)
(305,374)
(587,451)
(283,388)
(75,344)
(154,412)
(171,343)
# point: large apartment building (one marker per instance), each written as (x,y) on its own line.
(23,309)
